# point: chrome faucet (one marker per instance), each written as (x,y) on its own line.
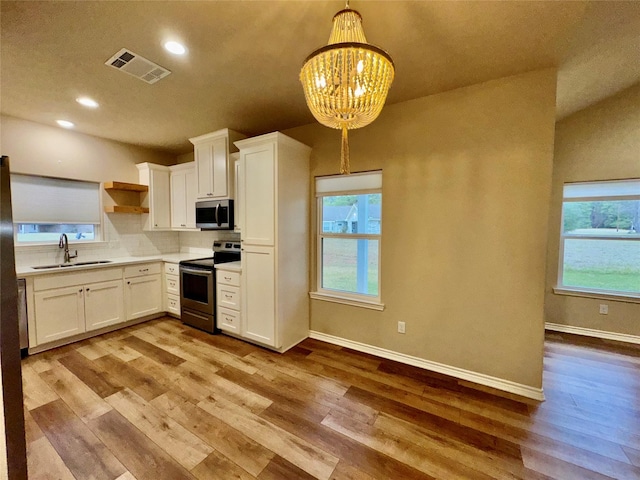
(64,243)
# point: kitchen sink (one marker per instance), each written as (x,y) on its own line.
(64,265)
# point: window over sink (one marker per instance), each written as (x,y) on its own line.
(349,212)
(45,207)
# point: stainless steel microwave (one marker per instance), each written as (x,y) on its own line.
(214,214)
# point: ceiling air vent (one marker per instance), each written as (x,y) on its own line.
(133,64)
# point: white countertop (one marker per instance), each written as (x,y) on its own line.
(114,262)
(230,266)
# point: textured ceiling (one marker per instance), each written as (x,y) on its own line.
(244,57)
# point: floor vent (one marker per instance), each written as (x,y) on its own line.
(133,64)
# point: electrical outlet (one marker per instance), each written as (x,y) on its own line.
(604,309)
(401,328)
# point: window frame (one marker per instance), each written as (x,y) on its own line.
(589,292)
(338,296)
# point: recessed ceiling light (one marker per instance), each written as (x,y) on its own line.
(175,48)
(87,102)
(65,123)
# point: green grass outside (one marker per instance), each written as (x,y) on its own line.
(626,280)
(342,277)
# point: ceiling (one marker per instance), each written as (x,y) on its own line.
(244,57)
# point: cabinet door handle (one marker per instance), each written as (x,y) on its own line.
(80,291)
(88,289)
(128,283)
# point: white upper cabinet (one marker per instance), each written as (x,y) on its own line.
(158,198)
(258,164)
(183,196)
(214,171)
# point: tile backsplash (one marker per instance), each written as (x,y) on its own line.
(123,237)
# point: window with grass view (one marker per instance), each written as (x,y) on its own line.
(600,239)
(349,235)
(44,208)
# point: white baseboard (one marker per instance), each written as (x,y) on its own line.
(480,378)
(590,332)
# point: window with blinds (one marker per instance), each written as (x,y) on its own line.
(44,208)
(349,238)
(600,238)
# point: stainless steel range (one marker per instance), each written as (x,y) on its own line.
(198,286)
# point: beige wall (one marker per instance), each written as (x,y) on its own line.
(466,184)
(601,142)
(53,151)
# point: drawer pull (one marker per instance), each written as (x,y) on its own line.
(228,296)
(228,279)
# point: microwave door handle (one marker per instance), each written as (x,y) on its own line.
(217,219)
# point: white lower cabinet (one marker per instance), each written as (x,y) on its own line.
(143,290)
(59,313)
(228,301)
(64,312)
(171,291)
(103,304)
(258,293)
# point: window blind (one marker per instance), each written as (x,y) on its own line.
(349,183)
(613,188)
(54,200)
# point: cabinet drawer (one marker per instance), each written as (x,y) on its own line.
(172,283)
(173,304)
(228,278)
(171,268)
(228,297)
(141,269)
(67,279)
(228,320)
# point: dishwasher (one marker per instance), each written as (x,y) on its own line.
(22,317)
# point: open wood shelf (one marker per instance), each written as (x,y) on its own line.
(126,197)
(129,187)
(125,209)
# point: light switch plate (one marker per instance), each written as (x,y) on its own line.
(604,309)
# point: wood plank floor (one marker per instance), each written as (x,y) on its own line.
(163,401)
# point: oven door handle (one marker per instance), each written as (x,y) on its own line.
(202,273)
(217,220)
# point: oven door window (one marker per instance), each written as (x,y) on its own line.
(196,287)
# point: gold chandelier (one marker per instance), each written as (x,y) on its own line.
(346,82)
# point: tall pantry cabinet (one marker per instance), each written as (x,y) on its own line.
(274,193)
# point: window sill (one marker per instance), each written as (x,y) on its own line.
(620,297)
(327,297)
